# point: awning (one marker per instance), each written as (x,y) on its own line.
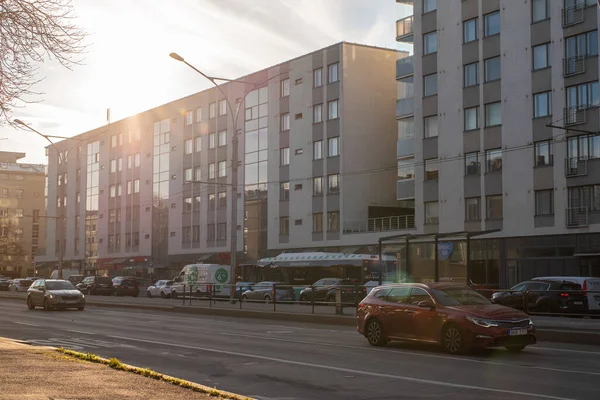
(203,257)
(139,259)
(116,261)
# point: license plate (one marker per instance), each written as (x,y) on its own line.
(517,332)
(71,301)
(578,303)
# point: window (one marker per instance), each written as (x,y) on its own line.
(584,44)
(136,186)
(318,186)
(198,173)
(492,69)
(431,212)
(430,43)
(493,114)
(19,193)
(494,206)
(539,10)
(430,126)
(222,169)
(333,147)
(470,30)
(542,104)
(212,110)
(113,166)
(222,107)
(406,168)
(431,170)
(119,189)
(284,191)
(138,159)
(472,165)
(333,221)
(542,56)
(285,87)
(318,77)
(332,109)
(430,85)
(198,114)
(285,122)
(471,118)
(406,128)
(471,74)
(212,201)
(189,118)
(222,231)
(472,209)
(493,160)
(188,146)
(544,154)
(113,142)
(544,202)
(333,73)
(284,156)
(198,143)
(491,24)
(19,213)
(113,190)
(197,201)
(211,141)
(284,226)
(4,192)
(187,204)
(429,5)
(583,96)
(129,187)
(188,175)
(318,150)
(222,138)
(211,171)
(318,113)
(333,184)
(210,232)
(222,200)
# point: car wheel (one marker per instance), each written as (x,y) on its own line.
(136,294)
(174,294)
(267,299)
(46,305)
(303,299)
(30,303)
(374,333)
(89,291)
(331,300)
(80,308)
(453,340)
(515,349)
(244,297)
(149,294)
(163,295)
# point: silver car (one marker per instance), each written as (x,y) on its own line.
(54,293)
(160,288)
(267,290)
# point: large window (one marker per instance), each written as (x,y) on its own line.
(318,186)
(544,202)
(430,43)
(470,33)
(189,117)
(284,226)
(431,169)
(211,140)
(429,5)
(317,150)
(493,114)
(432,212)
(472,209)
(284,156)
(583,96)
(471,74)
(584,44)
(211,171)
(318,222)
(333,221)
(188,146)
(187,175)
(430,85)
(544,154)
(406,128)
(284,191)
(318,77)
(542,104)
(333,184)
(492,69)
(222,138)
(494,206)
(212,110)
(332,109)
(492,24)
(285,122)
(222,169)
(539,10)
(333,147)
(542,56)
(472,164)
(317,113)
(430,126)
(285,87)
(222,107)
(333,73)
(493,160)
(406,168)
(471,118)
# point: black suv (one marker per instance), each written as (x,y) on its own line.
(125,286)
(325,290)
(96,285)
(545,296)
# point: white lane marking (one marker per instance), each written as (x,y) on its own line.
(347,370)
(565,350)
(27,324)
(82,332)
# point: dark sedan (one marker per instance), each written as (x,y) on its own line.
(126,286)
(96,285)
(4,285)
(545,296)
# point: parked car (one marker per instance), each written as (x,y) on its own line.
(351,292)
(160,288)
(4,285)
(96,285)
(545,296)
(75,279)
(370,285)
(54,293)
(126,286)
(268,290)
(241,287)
(590,286)
(20,285)
(451,315)
(318,290)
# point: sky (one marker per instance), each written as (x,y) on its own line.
(127,68)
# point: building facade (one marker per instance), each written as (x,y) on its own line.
(316,170)
(505,141)
(22,211)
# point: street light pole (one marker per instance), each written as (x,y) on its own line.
(61,251)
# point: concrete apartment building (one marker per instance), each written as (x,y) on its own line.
(490,76)
(316,164)
(22,210)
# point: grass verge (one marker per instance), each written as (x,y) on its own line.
(118,365)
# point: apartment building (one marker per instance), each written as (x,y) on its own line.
(22,209)
(317,170)
(505,142)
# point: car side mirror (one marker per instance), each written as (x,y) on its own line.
(426,304)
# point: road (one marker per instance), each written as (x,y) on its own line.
(284,360)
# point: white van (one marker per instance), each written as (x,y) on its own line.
(587,283)
(202,277)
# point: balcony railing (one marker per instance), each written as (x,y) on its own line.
(383,224)
(576,166)
(575,115)
(577,217)
(573,66)
(404,29)
(404,67)
(572,15)
(405,107)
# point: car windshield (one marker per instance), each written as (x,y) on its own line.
(457,296)
(63,285)
(103,280)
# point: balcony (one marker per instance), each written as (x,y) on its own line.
(575,115)
(404,67)
(572,15)
(577,217)
(405,107)
(573,66)
(576,166)
(404,30)
(405,189)
(383,224)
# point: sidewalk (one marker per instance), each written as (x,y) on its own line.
(28,372)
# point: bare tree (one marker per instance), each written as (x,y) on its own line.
(30,32)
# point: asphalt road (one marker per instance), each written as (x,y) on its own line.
(284,360)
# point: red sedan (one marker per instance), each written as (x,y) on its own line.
(451,315)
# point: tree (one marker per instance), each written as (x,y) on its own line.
(30,32)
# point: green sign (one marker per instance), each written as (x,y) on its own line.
(192,275)
(221,275)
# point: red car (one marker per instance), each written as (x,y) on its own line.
(453,316)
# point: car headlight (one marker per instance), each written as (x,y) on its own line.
(530,323)
(83,296)
(51,296)
(482,322)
